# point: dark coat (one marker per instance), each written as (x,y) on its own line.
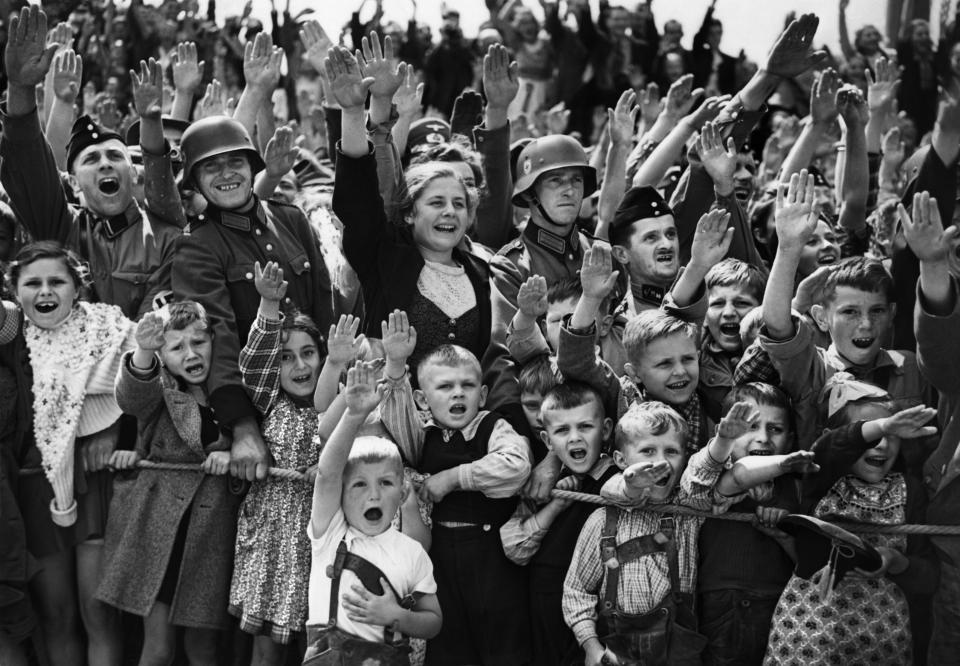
(213,265)
(384,255)
(149,506)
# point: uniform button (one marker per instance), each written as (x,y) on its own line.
(570,257)
(269,247)
(286,300)
(306,264)
(452,336)
(257,232)
(486,528)
(249,276)
(453,322)
(200,216)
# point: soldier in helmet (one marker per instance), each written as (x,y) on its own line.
(214,265)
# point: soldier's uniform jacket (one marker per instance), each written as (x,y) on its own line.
(129,255)
(213,265)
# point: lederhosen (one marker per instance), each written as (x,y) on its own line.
(328,645)
(664,635)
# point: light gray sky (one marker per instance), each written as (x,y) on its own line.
(750,25)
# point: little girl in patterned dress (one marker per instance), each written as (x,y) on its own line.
(865,619)
(280,365)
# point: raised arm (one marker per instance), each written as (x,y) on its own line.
(261,71)
(711,242)
(187,77)
(279,157)
(856,175)
(67,72)
(362,395)
(621,122)
(795,220)
(260,357)
(823,113)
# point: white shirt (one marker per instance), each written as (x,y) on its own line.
(403,561)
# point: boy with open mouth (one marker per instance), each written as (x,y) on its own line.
(856,307)
(368,581)
(543,537)
(476,464)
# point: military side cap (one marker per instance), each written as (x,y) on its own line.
(639,203)
(427,133)
(86,133)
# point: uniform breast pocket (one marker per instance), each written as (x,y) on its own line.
(300,265)
(243,293)
(129,288)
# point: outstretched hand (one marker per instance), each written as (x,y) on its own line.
(377,63)
(500,82)
(791,54)
(28,56)
(362,394)
(532,297)
(148,89)
(908,423)
(399,337)
(597,276)
(924,231)
(345,82)
(711,240)
(738,421)
(795,216)
(269,281)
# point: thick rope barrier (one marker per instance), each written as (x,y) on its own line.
(859,528)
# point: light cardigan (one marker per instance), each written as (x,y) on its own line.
(74,369)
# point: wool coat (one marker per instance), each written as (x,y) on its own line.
(149,506)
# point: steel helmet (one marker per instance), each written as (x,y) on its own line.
(214,136)
(555,151)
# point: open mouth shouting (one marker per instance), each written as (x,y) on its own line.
(664,257)
(579,453)
(46,307)
(109,185)
(862,343)
(730,328)
(663,480)
(195,370)
(827,258)
(458,409)
(373,514)
(742,193)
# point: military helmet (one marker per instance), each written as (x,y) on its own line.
(555,151)
(214,136)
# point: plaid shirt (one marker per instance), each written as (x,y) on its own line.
(644,582)
(260,362)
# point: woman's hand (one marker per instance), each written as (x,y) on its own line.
(347,86)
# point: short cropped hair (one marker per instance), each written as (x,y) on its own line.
(649,418)
(177,316)
(761,393)
(373,450)
(564,290)
(570,395)
(736,273)
(539,375)
(862,274)
(652,325)
(448,356)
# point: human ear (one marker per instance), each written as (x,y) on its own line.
(604,324)
(420,398)
(620,254)
(607,428)
(618,460)
(483,395)
(819,315)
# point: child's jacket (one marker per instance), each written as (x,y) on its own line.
(147,510)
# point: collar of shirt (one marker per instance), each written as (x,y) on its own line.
(112,227)
(236,220)
(552,242)
(885,359)
(354,534)
(468,431)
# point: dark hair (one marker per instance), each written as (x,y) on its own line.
(539,375)
(862,274)
(564,290)
(47,249)
(415,181)
(760,392)
(448,356)
(571,395)
(297,321)
(736,273)
(454,151)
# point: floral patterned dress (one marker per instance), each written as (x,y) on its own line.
(272,562)
(866,621)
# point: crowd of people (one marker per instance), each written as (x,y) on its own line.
(562,344)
